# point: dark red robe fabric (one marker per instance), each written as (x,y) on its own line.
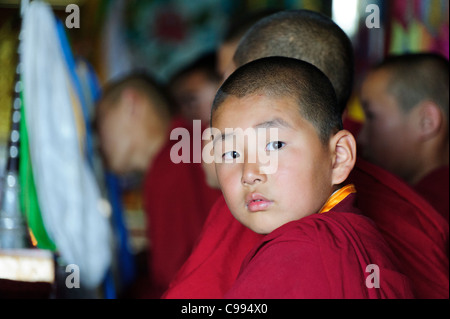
(417,234)
(322,256)
(435,189)
(352,125)
(176,201)
(215,262)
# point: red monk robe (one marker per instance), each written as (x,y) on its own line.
(351,125)
(321,256)
(215,262)
(435,189)
(417,234)
(177,201)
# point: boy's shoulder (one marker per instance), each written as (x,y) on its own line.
(343,219)
(337,230)
(329,226)
(322,248)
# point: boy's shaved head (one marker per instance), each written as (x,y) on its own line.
(304,35)
(281,77)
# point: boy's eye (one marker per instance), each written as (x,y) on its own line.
(231,155)
(274,146)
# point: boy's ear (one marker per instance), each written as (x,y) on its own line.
(343,147)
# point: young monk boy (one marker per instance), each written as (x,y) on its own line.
(317,245)
(415,231)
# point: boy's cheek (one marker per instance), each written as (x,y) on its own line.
(229,182)
(224,176)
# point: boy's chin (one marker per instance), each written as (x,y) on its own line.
(262,229)
(259,222)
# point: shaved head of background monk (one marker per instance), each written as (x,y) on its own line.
(304,35)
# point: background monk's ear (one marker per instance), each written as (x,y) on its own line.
(343,147)
(430,119)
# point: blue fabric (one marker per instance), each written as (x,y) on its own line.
(126,267)
(89,148)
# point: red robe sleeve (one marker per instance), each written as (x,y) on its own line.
(322,256)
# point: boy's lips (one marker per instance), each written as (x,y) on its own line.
(256,202)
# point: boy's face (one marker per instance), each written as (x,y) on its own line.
(386,138)
(301,183)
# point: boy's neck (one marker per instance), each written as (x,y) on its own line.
(337,197)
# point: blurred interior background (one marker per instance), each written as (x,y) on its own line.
(163,35)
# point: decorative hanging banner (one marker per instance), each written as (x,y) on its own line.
(68,194)
(419,26)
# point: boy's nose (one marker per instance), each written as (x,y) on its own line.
(252,175)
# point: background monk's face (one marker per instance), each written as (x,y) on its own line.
(386,138)
(194,94)
(114,138)
(301,182)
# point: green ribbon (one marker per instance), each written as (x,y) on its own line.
(28,197)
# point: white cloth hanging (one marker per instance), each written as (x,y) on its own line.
(68,194)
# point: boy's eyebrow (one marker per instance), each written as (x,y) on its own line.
(274,123)
(222,136)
